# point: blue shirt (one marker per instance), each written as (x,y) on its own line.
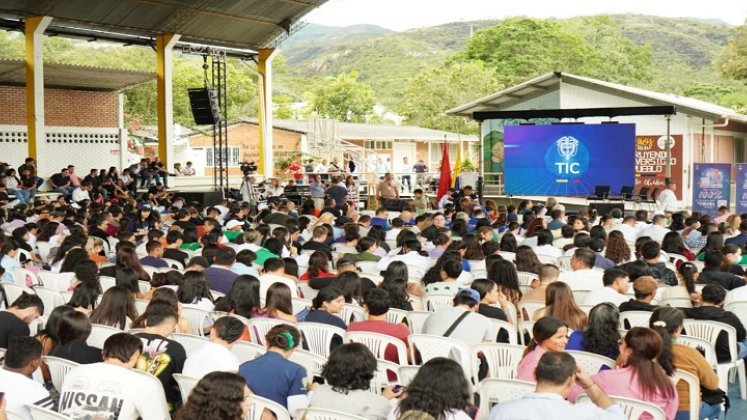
(220,279)
(576,342)
(378,221)
(324,317)
(154,262)
(273,377)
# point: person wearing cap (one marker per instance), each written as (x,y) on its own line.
(462,319)
(645,288)
(233,229)
(615,283)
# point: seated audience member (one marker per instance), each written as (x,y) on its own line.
(318,241)
(348,374)
(278,303)
(650,253)
(15,320)
(601,335)
(22,358)
(549,334)
(325,307)
(615,283)
(645,291)
(556,374)
(219,395)
(219,274)
(273,376)
(583,276)
(712,273)
(318,267)
(194,292)
(155,254)
(439,390)
(116,309)
(462,322)
(544,245)
(396,285)
(216,355)
(560,304)
(490,295)
(274,272)
(641,375)
(244,264)
(381,218)
(449,272)
(656,230)
(712,309)
(162,356)
(549,273)
(131,395)
(365,247)
(173,243)
(377,306)
(668,322)
(410,254)
(73,331)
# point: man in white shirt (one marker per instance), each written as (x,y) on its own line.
(544,245)
(113,388)
(656,230)
(667,200)
(616,283)
(471,328)
(216,355)
(81,193)
(405,171)
(628,229)
(21,360)
(583,276)
(274,272)
(410,255)
(641,219)
(556,373)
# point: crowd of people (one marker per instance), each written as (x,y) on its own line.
(241,264)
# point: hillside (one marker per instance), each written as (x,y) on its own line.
(683,51)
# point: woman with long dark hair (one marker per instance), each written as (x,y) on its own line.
(617,249)
(395,283)
(601,335)
(318,267)
(673,244)
(194,291)
(509,242)
(85,296)
(117,308)
(503,273)
(126,258)
(73,331)
(278,303)
(548,334)
(49,337)
(242,298)
(687,275)
(527,261)
(326,306)
(641,375)
(164,296)
(218,395)
(559,303)
(439,389)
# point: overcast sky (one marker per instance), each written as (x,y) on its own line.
(405,14)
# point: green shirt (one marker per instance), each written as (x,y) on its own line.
(421,201)
(192,246)
(263,254)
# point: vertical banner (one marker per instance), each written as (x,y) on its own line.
(741,188)
(711,187)
(651,162)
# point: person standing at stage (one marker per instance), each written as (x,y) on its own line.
(387,189)
(667,200)
(406,169)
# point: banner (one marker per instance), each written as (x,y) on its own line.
(651,162)
(711,187)
(741,189)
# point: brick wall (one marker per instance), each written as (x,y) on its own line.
(66,108)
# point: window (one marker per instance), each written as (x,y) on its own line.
(232,157)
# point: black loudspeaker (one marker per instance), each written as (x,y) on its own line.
(206,199)
(606,208)
(205,108)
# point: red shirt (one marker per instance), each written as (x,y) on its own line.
(322,274)
(399,331)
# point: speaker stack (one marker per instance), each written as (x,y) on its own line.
(205,107)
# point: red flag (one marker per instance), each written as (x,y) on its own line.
(444,181)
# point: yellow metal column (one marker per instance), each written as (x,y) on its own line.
(164,73)
(264,117)
(34,32)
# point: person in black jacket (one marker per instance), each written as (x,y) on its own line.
(712,273)
(711,309)
(644,288)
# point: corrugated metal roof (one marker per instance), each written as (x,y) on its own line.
(73,77)
(244,24)
(551,81)
(356,131)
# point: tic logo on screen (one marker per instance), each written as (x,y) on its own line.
(568,160)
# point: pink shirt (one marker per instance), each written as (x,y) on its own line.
(623,383)
(528,364)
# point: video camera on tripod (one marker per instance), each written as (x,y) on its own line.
(248,168)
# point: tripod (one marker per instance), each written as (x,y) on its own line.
(247,191)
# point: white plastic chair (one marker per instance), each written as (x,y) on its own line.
(416,320)
(144,286)
(709,331)
(141,305)
(58,369)
(44,248)
(526,278)
(299,304)
(306,290)
(378,344)
(186,384)
(635,319)
(527,308)
(526,332)
(51,298)
(258,328)
(693,385)
(174,264)
(706,348)
(197,318)
(247,351)
(495,391)
(508,327)
(396,316)
(381,377)
(739,308)
(59,281)
(677,302)
(107,283)
(479,274)
(591,362)
(632,408)
(511,256)
(352,313)
(579,295)
(564,263)
(318,337)
(375,278)
(99,334)
(260,404)
(325,414)
(368,267)
(189,342)
(434,302)
(502,359)
(431,346)
(41,413)
(14,416)
(546,259)
(20,276)
(311,362)
(14,291)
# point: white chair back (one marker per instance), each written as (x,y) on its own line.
(676,302)
(324,414)
(99,334)
(632,408)
(495,391)
(502,359)
(508,327)
(318,337)
(58,369)
(299,304)
(378,344)
(51,298)
(579,295)
(306,290)
(59,281)
(416,320)
(259,405)
(107,282)
(352,313)
(247,351)
(199,318)
(546,259)
(44,248)
(382,378)
(591,362)
(174,264)
(434,302)
(564,263)
(693,385)
(14,416)
(368,267)
(406,374)
(186,384)
(634,319)
(13,291)
(190,342)
(527,308)
(25,277)
(431,346)
(311,362)
(258,328)
(739,308)
(526,278)
(396,316)
(706,348)
(141,305)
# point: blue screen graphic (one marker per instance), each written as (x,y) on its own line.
(568,160)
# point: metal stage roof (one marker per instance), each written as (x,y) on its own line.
(74,77)
(239,26)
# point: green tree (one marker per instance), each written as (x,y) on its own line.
(436,90)
(733,60)
(343,98)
